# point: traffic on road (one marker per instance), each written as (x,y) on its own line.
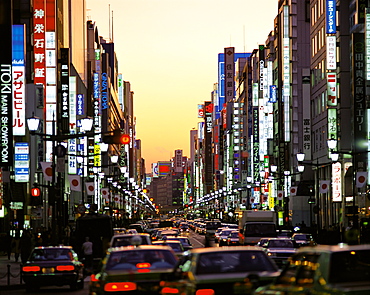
(183,258)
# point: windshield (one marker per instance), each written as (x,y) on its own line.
(51,254)
(280,244)
(213,225)
(233,262)
(131,260)
(127,241)
(260,230)
(350,266)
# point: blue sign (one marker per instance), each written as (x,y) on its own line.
(18,45)
(273,96)
(80,104)
(21,162)
(331,22)
(221,78)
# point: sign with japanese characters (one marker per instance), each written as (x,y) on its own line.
(331,83)
(39,41)
(18,75)
(331,52)
(331,22)
(336,181)
(6,131)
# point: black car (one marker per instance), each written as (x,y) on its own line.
(133,270)
(53,266)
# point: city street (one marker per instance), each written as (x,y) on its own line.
(196,240)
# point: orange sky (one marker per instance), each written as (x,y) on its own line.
(167,50)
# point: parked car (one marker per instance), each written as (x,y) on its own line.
(53,266)
(215,270)
(136,269)
(280,249)
(130,239)
(324,269)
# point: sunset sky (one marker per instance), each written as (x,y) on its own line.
(167,50)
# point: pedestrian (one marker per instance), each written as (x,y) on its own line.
(87,250)
(8,244)
(16,246)
(26,245)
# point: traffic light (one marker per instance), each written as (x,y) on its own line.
(35,196)
(117,138)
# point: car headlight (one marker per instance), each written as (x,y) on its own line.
(271,254)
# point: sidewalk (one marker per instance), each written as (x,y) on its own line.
(10,277)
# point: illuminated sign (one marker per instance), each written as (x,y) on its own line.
(6,144)
(331,52)
(331,10)
(367,44)
(18,74)
(286,73)
(273,94)
(72,143)
(336,182)
(200,111)
(331,82)
(332,124)
(80,104)
(21,162)
(39,41)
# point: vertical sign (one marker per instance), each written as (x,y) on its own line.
(229,81)
(337,182)
(39,41)
(331,83)
(331,11)
(18,74)
(178,161)
(6,135)
(306,112)
(332,124)
(21,162)
(72,143)
(331,52)
(359,104)
(64,89)
(120,92)
(208,167)
(286,73)
(367,43)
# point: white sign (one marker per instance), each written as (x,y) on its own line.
(331,52)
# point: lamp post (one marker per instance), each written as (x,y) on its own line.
(53,193)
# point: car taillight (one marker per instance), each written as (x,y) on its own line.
(168,290)
(65,268)
(143,267)
(93,278)
(123,286)
(205,292)
(31,268)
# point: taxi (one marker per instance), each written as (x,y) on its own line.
(53,266)
(325,269)
(220,270)
(136,269)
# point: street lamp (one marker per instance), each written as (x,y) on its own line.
(33,126)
